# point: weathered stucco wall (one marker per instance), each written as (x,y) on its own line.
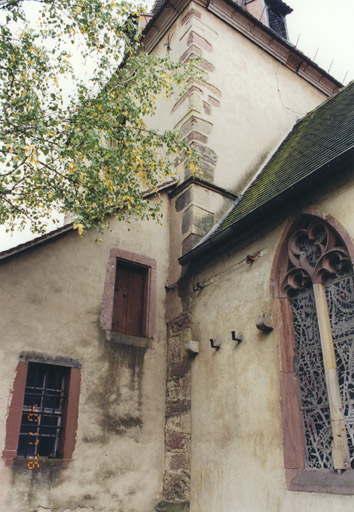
(51,298)
(235,118)
(237,454)
(244,108)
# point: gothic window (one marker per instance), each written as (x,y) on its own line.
(316,281)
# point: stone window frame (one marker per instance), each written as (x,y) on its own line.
(106,319)
(298,478)
(14,417)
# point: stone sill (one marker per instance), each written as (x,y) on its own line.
(321,481)
(128,339)
(22,464)
(166,506)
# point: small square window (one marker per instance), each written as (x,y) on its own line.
(129,299)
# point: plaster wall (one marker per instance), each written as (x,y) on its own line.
(51,297)
(246,106)
(261,100)
(237,454)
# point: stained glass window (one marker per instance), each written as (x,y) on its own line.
(319,282)
(313,390)
(340,297)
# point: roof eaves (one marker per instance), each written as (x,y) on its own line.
(301,63)
(283,51)
(203,183)
(156,10)
(163,187)
(36,241)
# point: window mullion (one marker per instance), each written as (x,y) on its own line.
(340,449)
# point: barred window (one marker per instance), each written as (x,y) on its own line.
(43,412)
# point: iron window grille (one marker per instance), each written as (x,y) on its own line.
(43,412)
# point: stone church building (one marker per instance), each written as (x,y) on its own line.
(204,363)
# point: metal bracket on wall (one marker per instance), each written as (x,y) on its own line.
(215,343)
(237,337)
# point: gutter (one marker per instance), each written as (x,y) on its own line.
(202,183)
(234,230)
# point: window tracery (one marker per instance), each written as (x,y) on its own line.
(315,254)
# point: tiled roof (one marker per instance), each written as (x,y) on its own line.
(320,137)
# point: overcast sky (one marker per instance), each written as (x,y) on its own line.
(323,25)
(326,25)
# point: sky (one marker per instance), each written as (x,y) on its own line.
(326,26)
(321,29)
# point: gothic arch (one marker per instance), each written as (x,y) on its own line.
(276,284)
(313,250)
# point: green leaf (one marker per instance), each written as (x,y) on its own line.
(91,155)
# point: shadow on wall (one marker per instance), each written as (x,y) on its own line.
(116,388)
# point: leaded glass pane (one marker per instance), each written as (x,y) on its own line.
(340,297)
(313,391)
